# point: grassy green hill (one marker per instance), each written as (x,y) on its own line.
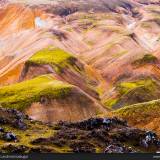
(22,95)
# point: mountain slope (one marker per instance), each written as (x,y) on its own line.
(43,97)
(147,115)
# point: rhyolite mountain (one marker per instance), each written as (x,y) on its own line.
(70,61)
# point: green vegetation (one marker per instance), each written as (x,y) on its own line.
(140,112)
(147,59)
(22,95)
(55,57)
(125,87)
(110,102)
(34,130)
(134,92)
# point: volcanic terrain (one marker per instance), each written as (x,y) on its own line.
(67,65)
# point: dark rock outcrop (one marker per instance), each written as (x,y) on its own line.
(109,135)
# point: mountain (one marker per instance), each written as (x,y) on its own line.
(76,60)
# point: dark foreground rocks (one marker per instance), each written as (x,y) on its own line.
(7,136)
(105,135)
(19,134)
(13,117)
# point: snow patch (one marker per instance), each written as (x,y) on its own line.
(40,23)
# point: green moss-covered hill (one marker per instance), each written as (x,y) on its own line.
(146,59)
(22,95)
(144,115)
(63,65)
(133,92)
(57,58)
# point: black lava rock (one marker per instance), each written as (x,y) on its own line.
(9,136)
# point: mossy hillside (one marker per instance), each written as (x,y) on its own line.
(141,112)
(134,92)
(125,87)
(22,95)
(109,103)
(65,65)
(34,130)
(146,59)
(55,57)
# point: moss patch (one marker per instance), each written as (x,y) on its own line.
(35,130)
(22,95)
(55,57)
(147,59)
(140,113)
(125,87)
(110,102)
(134,92)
